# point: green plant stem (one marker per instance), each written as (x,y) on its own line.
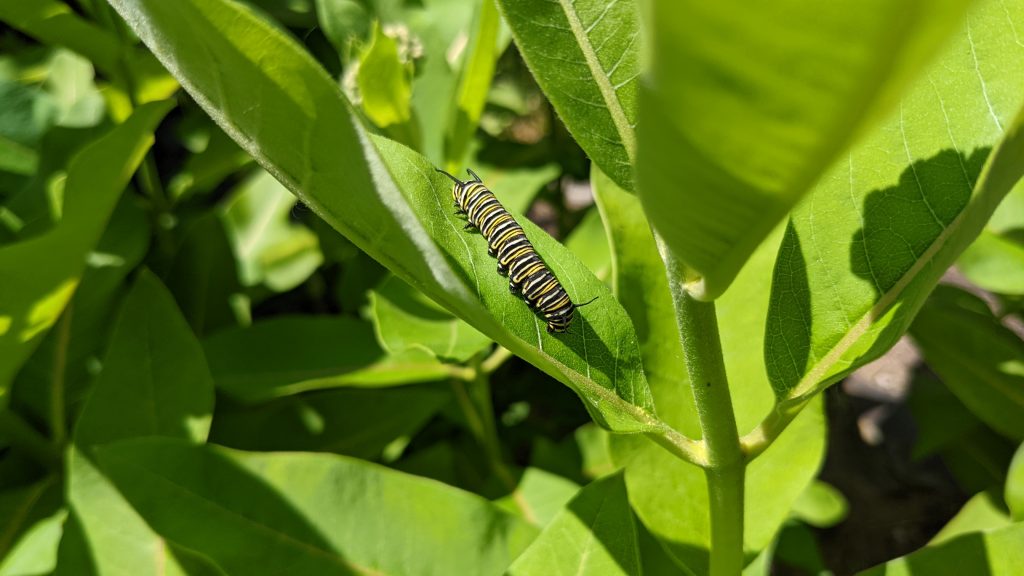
(757,440)
(702,349)
(58,422)
(474,397)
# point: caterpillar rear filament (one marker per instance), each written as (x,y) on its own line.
(517,259)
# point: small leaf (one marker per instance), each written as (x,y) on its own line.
(821,505)
(302,513)
(384,82)
(585,56)
(539,496)
(995,262)
(474,82)
(203,275)
(407,319)
(269,247)
(980,360)
(287,355)
(594,534)
(995,553)
(354,422)
(25,510)
(155,381)
(748,104)
(33,296)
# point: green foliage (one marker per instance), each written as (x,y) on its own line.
(309,366)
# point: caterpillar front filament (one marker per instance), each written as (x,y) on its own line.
(517,259)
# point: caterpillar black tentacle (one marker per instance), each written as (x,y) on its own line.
(528,275)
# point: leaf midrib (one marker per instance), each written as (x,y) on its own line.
(603,83)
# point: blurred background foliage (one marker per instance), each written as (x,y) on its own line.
(314,346)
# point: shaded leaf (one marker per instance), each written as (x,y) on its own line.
(995,262)
(105,535)
(353,422)
(287,355)
(539,496)
(31,296)
(1014,492)
(748,105)
(203,275)
(594,534)
(309,513)
(980,360)
(995,553)
(406,319)
(982,513)
(23,510)
(155,381)
(270,249)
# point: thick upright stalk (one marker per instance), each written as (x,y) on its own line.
(702,349)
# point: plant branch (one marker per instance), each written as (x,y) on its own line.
(702,349)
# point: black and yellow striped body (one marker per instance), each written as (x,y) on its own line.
(527,274)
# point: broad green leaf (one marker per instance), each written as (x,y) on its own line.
(585,56)
(406,319)
(593,534)
(878,231)
(821,505)
(155,381)
(979,359)
(354,422)
(64,365)
(474,82)
(287,355)
(982,513)
(995,553)
(203,275)
(254,513)
(306,136)
(539,496)
(1014,492)
(33,296)
(385,86)
(670,496)
(105,535)
(747,105)
(269,247)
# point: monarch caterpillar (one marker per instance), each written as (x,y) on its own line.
(526,271)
